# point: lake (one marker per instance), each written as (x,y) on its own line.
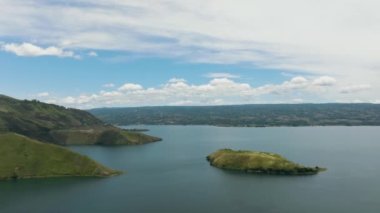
(174,176)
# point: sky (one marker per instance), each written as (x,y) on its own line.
(115,53)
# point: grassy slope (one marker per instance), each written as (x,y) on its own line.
(102,136)
(27,116)
(257,162)
(60,125)
(22,157)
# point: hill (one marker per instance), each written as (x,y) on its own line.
(258,162)
(256,115)
(22,157)
(56,124)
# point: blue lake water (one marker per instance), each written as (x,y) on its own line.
(174,176)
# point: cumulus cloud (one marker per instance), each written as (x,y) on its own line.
(43,94)
(110,93)
(221,75)
(299,80)
(130,87)
(69,101)
(177,91)
(176,80)
(28,49)
(324,81)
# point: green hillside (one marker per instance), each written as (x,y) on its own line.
(258,162)
(100,136)
(60,125)
(22,157)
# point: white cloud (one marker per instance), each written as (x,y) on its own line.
(177,80)
(92,54)
(109,85)
(324,37)
(68,101)
(221,75)
(130,87)
(324,81)
(299,80)
(28,49)
(355,88)
(215,92)
(43,94)
(336,38)
(110,94)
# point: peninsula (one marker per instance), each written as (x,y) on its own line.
(51,123)
(33,135)
(22,158)
(258,162)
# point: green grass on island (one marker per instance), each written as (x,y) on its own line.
(258,162)
(22,157)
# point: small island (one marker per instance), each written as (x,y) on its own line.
(259,163)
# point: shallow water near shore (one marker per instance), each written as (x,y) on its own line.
(174,176)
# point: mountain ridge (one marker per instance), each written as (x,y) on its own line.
(248,115)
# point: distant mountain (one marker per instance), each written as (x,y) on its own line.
(56,124)
(22,157)
(256,115)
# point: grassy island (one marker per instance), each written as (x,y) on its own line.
(258,162)
(22,157)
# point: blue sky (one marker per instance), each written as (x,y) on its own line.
(65,76)
(125,53)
